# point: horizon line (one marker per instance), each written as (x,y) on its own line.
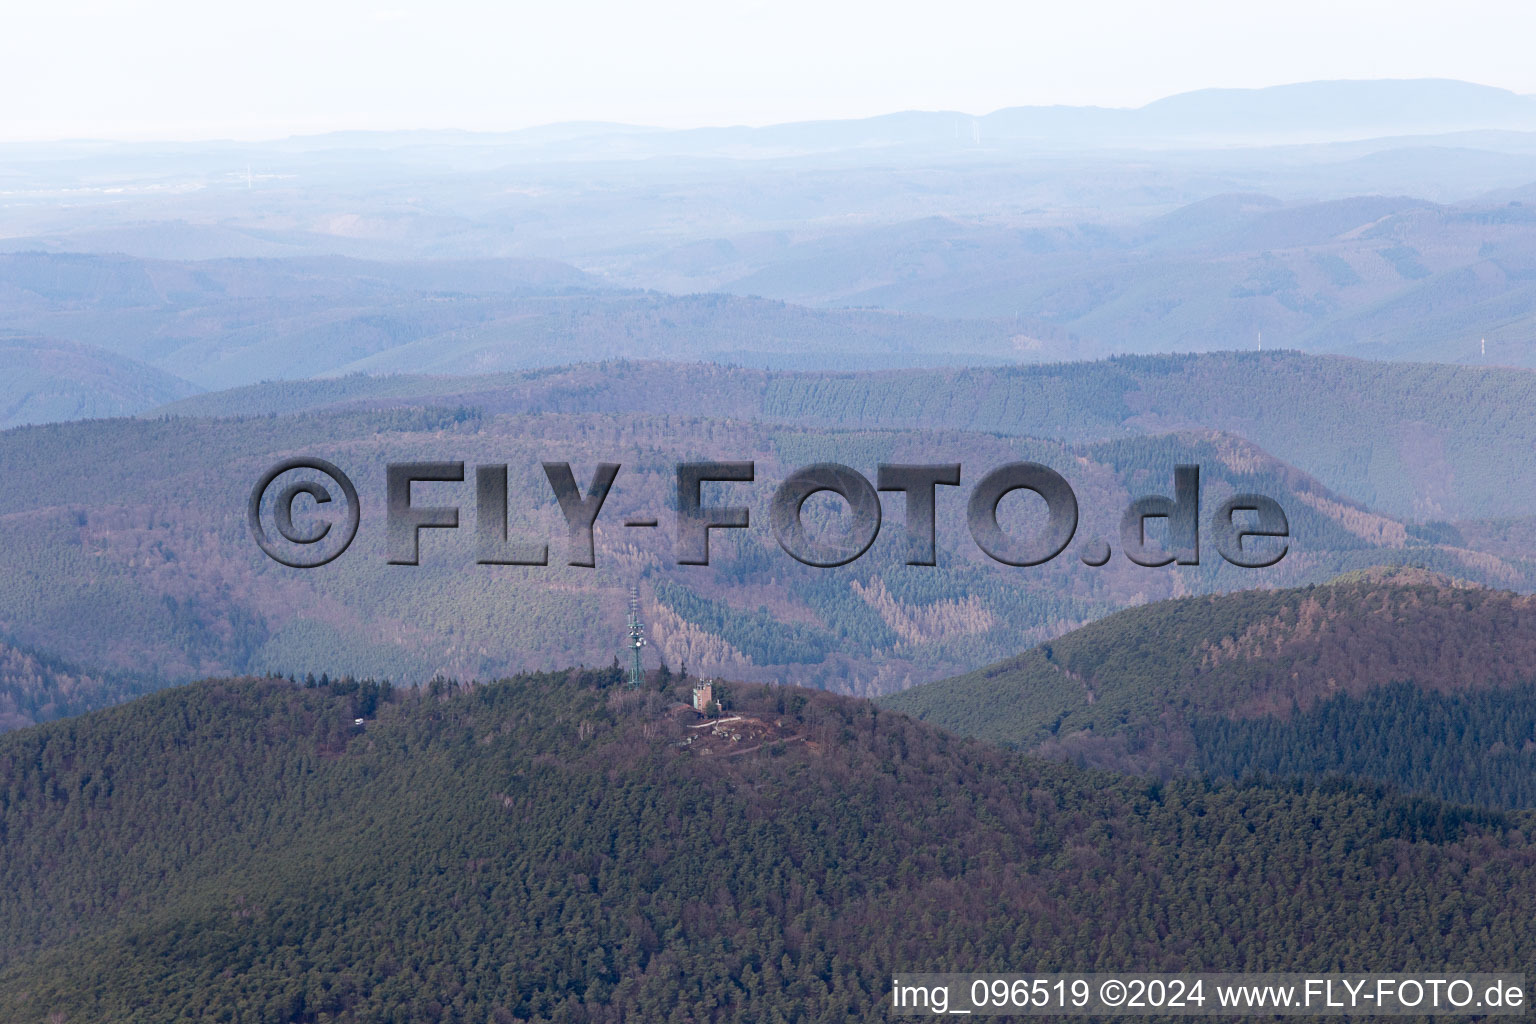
(301,133)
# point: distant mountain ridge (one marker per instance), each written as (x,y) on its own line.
(1300,112)
(228,322)
(1315,110)
(1378,276)
(1344,108)
(1381,276)
(617,200)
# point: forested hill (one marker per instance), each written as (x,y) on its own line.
(554,847)
(44,379)
(35,688)
(140,558)
(1413,440)
(1399,675)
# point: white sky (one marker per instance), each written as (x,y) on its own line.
(264,68)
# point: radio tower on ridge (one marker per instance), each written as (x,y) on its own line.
(636,639)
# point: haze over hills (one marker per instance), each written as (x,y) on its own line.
(1399,227)
(44,380)
(1306,111)
(224,323)
(1380,277)
(1404,676)
(243,847)
(613,199)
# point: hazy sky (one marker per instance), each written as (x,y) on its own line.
(195,68)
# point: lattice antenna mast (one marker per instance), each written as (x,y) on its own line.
(636,639)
